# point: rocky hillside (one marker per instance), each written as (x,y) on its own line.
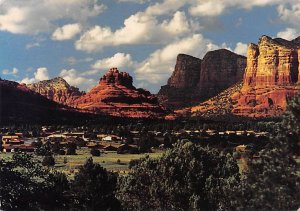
(220,105)
(18,104)
(58,90)
(195,80)
(115,95)
(270,78)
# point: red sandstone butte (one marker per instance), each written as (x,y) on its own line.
(116,96)
(271,78)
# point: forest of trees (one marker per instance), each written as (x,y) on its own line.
(186,177)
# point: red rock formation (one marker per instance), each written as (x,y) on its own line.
(115,95)
(220,69)
(194,80)
(180,90)
(270,78)
(58,90)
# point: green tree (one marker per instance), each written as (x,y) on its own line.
(93,188)
(187,177)
(26,185)
(48,161)
(95,152)
(272,181)
(71,149)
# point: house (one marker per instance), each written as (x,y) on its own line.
(75,134)
(111,138)
(14,148)
(9,139)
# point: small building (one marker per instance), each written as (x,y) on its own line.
(111,138)
(9,139)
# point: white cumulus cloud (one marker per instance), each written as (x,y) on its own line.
(35,16)
(241,48)
(138,28)
(39,75)
(66,32)
(289,34)
(74,78)
(13,72)
(119,60)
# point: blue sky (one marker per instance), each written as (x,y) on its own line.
(80,40)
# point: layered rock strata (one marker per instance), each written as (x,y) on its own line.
(195,80)
(270,79)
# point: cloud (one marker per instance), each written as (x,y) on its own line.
(35,16)
(160,64)
(139,28)
(28,80)
(290,13)
(75,79)
(72,60)
(135,1)
(289,34)
(13,72)
(32,45)
(119,60)
(41,74)
(217,7)
(208,8)
(241,48)
(66,32)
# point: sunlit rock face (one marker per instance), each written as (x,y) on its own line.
(195,80)
(58,90)
(270,78)
(115,95)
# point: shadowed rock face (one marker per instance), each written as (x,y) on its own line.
(180,90)
(20,104)
(270,78)
(195,80)
(220,69)
(115,95)
(58,90)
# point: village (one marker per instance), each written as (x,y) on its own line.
(132,142)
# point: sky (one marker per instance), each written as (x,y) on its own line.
(80,40)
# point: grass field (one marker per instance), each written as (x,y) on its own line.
(109,160)
(112,161)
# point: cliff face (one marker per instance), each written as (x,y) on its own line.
(195,80)
(180,90)
(58,90)
(270,78)
(220,69)
(115,95)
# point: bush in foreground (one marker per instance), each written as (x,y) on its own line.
(187,177)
